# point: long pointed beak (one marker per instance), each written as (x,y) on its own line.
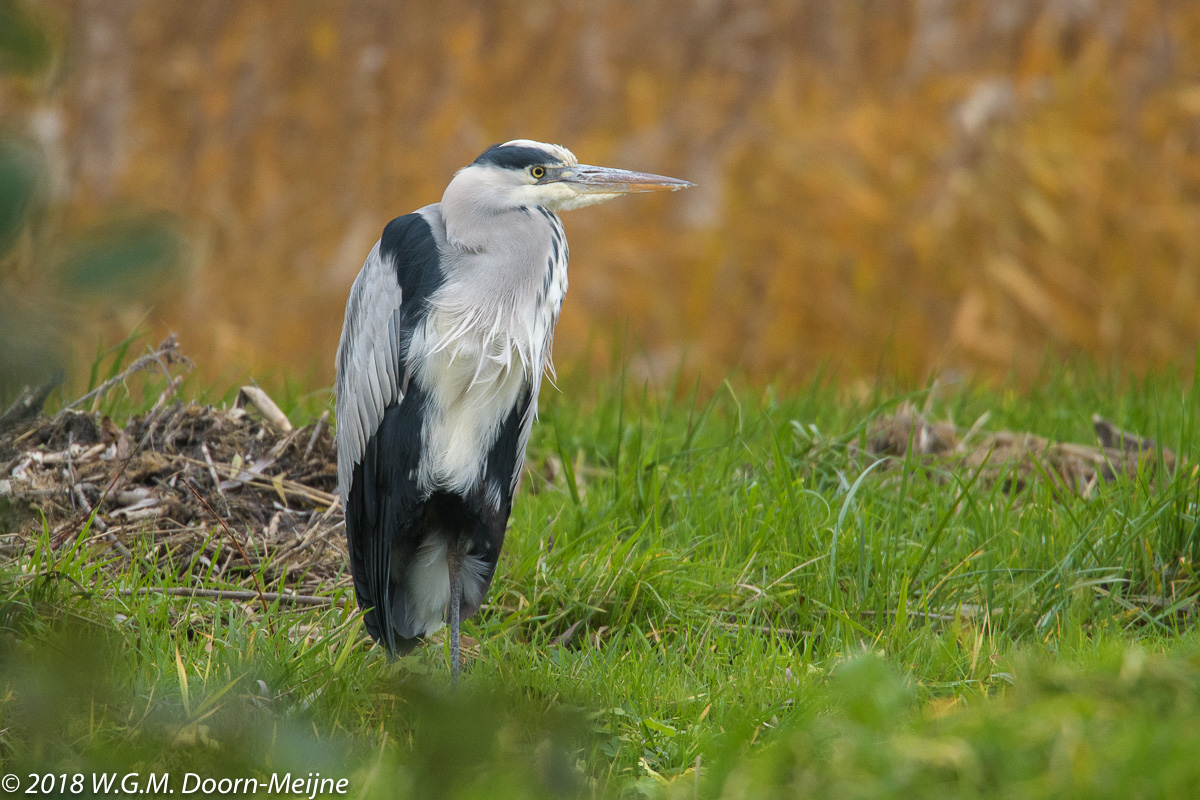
(605,180)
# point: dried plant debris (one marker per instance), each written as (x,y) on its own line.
(224,493)
(1018,458)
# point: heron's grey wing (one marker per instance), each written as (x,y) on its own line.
(377,448)
(369,370)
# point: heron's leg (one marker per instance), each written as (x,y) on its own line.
(455,558)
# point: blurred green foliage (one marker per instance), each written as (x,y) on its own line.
(25,47)
(81,696)
(19,177)
(122,256)
(1122,727)
(48,275)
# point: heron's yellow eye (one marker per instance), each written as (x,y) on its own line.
(538,172)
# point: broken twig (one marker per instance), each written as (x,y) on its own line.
(266,406)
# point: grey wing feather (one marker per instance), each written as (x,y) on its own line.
(368,362)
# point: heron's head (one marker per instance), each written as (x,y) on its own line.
(528,173)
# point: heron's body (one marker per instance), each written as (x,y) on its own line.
(448,332)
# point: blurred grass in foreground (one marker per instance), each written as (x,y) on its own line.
(712,583)
(1107,722)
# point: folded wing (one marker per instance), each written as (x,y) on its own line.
(379,417)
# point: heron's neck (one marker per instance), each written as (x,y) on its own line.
(478,214)
(479,229)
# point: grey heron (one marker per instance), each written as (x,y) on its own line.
(447,334)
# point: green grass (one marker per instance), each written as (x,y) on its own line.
(700,583)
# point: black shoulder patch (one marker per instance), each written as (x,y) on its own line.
(409,245)
(514,157)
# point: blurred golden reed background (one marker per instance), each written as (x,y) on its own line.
(901,187)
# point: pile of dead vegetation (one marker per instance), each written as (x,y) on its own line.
(234,495)
(1013,462)
(1016,458)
